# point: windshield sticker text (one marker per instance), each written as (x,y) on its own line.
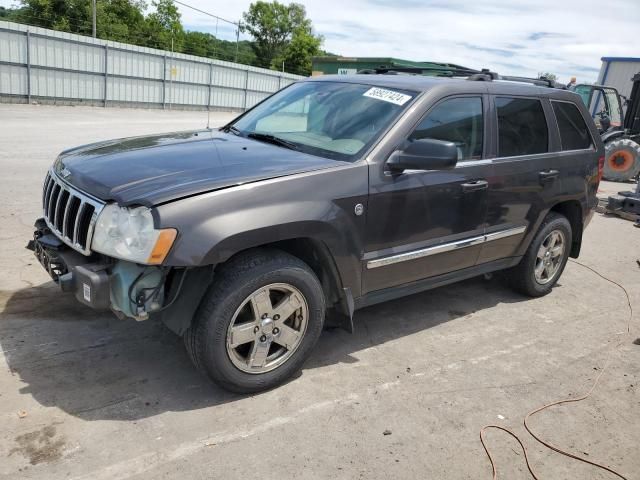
(387,95)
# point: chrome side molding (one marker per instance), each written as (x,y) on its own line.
(445,247)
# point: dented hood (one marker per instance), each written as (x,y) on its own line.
(157,169)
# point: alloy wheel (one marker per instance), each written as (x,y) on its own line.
(549,257)
(267,328)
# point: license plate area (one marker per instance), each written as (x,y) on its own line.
(45,247)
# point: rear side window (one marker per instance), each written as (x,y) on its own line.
(522,127)
(458,120)
(574,133)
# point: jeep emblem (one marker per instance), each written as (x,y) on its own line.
(64,173)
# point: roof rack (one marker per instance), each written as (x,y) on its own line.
(485,75)
(438,71)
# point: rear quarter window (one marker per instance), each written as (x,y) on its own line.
(522,127)
(574,133)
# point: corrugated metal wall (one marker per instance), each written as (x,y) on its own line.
(617,72)
(41,64)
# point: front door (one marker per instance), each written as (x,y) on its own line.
(424,223)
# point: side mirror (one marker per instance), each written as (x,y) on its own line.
(424,154)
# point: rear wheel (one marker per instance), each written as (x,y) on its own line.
(258,322)
(622,160)
(545,259)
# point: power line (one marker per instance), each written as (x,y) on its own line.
(237,24)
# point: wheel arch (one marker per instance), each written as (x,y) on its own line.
(312,251)
(572,210)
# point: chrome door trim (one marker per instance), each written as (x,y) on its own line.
(504,233)
(445,247)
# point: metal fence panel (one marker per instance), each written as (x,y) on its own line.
(135,64)
(50,52)
(13,47)
(51,65)
(127,90)
(13,80)
(63,85)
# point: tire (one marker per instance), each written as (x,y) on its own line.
(274,349)
(622,160)
(523,277)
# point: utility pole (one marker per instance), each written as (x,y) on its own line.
(94,18)
(238,39)
(171,71)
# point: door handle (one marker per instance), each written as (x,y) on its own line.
(475,186)
(548,175)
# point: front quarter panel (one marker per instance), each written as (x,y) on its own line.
(319,205)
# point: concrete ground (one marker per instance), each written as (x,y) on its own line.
(84,395)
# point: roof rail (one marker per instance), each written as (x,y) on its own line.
(484,75)
(438,71)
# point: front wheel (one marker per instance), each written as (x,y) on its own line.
(258,322)
(545,259)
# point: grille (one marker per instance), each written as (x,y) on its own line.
(70,214)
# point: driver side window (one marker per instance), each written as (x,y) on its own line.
(458,120)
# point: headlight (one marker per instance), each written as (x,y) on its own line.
(128,233)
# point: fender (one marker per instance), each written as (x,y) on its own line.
(215,226)
(610,135)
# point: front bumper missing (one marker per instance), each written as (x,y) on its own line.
(86,277)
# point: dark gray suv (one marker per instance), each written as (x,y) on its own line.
(332,194)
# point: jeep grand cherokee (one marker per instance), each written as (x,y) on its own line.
(333,194)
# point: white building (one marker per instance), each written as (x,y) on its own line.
(617,72)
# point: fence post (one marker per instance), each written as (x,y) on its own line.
(246,88)
(164,82)
(28,67)
(210,85)
(279,82)
(106,73)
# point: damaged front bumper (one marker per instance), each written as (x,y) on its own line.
(101,282)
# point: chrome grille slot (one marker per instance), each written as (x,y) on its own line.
(69,213)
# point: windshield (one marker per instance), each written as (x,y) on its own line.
(328,119)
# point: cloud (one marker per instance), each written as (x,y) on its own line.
(566,38)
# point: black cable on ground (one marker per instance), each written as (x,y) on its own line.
(561,402)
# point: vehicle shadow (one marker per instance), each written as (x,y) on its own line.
(96,367)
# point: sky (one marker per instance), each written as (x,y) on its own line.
(526,37)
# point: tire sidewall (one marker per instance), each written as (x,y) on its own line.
(616,145)
(556,223)
(215,358)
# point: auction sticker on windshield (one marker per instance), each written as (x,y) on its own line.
(387,95)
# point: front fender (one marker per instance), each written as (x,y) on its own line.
(611,134)
(317,205)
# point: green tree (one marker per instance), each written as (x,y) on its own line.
(198,43)
(549,76)
(64,15)
(120,20)
(296,57)
(163,27)
(274,26)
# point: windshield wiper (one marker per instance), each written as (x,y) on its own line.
(232,129)
(265,137)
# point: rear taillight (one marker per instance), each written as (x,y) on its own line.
(600,168)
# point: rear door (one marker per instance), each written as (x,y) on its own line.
(524,175)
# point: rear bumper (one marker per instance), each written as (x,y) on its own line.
(86,277)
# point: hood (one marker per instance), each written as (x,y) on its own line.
(160,168)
